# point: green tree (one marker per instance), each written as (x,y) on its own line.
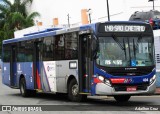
(14,16)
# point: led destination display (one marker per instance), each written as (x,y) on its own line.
(122,28)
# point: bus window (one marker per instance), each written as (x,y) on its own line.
(59,47)
(48,49)
(6,53)
(29,52)
(21,52)
(71,46)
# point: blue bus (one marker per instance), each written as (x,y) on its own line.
(105,58)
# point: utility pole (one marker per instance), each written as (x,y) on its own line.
(153,3)
(68,20)
(108,10)
(89,14)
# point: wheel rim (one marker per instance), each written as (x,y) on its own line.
(75,90)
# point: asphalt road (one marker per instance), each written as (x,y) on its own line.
(61,105)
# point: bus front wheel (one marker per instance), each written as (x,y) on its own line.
(122,98)
(73,92)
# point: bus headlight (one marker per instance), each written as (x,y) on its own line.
(104,80)
(101,78)
(152,79)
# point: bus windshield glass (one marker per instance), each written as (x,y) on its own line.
(125,51)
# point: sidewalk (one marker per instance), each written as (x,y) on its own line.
(157,91)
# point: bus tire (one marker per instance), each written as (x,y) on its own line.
(73,92)
(122,98)
(24,92)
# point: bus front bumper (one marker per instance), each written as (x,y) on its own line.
(103,89)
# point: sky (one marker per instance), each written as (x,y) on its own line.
(119,9)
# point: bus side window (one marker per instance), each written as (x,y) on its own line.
(48,48)
(29,52)
(6,53)
(21,52)
(59,47)
(71,46)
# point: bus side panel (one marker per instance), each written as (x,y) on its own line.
(28,71)
(64,72)
(48,76)
(6,74)
(25,69)
(54,75)
(20,67)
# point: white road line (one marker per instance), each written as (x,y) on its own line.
(147,96)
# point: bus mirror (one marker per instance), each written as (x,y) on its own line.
(94,45)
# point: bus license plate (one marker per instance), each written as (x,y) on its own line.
(131,88)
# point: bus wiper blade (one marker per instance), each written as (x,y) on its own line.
(118,42)
(124,49)
(134,49)
(122,46)
(137,43)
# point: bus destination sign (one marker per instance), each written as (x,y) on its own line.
(122,28)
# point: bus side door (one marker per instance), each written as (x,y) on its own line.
(37,61)
(84,63)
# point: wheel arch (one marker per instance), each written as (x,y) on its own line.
(71,77)
(20,77)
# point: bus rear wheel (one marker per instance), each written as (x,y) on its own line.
(73,92)
(24,92)
(122,98)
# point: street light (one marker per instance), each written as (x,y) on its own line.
(108,10)
(89,11)
(153,3)
(68,20)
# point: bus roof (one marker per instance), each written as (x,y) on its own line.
(48,32)
(56,31)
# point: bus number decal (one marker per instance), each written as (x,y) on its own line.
(145,80)
(113,62)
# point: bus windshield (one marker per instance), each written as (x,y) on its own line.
(125,51)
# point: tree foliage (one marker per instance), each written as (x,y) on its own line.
(14,16)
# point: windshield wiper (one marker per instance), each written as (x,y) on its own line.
(124,49)
(120,45)
(118,42)
(139,39)
(134,49)
(129,50)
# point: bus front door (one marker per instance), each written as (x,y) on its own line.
(36,65)
(13,67)
(84,63)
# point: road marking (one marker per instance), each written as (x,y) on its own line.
(147,96)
